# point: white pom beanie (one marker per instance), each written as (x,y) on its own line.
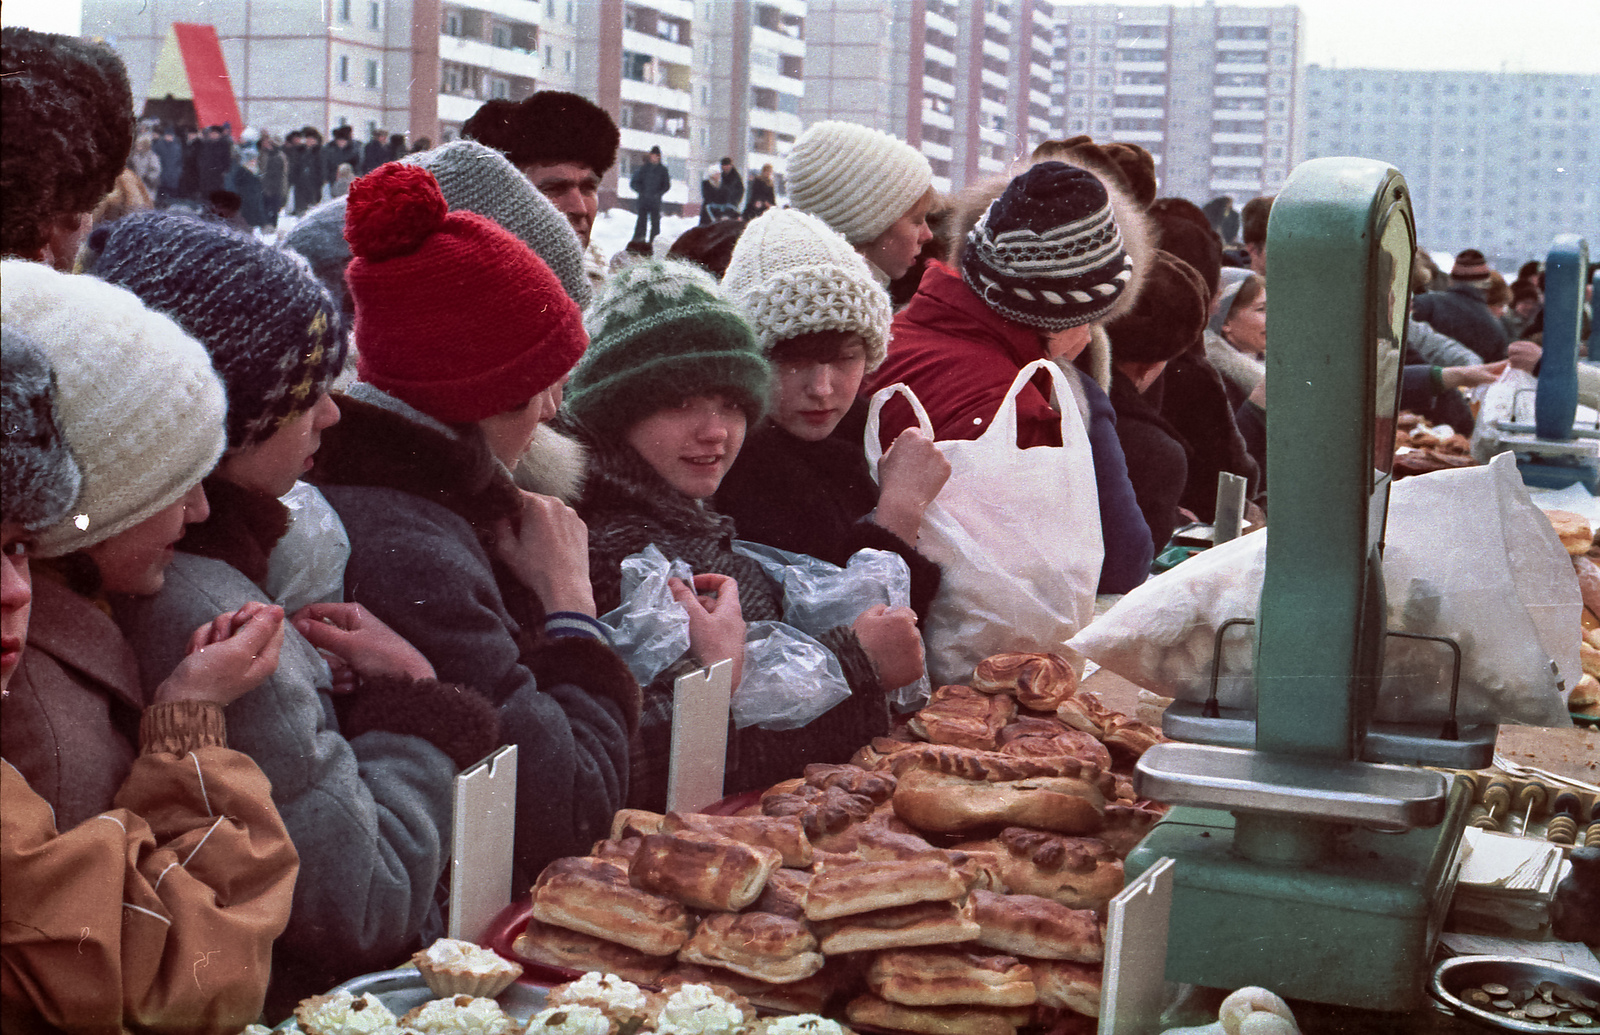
(855,179)
(137,400)
(791,275)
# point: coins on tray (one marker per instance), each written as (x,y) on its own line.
(1554,1006)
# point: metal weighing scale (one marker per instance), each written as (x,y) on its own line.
(1551,453)
(1311,858)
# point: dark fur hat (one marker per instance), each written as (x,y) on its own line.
(39,478)
(550,127)
(1183,229)
(1167,319)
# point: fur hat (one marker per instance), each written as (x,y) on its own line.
(710,245)
(139,403)
(1048,253)
(660,333)
(792,275)
(269,324)
(1130,165)
(1168,318)
(855,179)
(1185,231)
(454,315)
(39,479)
(1470,266)
(549,127)
(479,179)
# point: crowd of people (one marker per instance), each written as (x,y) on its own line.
(295,532)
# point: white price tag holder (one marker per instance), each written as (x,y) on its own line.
(1133,990)
(481,840)
(699,737)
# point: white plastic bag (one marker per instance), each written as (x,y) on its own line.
(819,595)
(649,629)
(1016,533)
(307,565)
(1467,556)
(1509,398)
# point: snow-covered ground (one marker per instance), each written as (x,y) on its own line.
(614,229)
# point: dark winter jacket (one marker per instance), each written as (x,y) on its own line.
(336,153)
(816,498)
(421,503)
(214,160)
(627,507)
(1462,314)
(960,358)
(762,197)
(1158,458)
(1194,401)
(650,181)
(274,177)
(170,151)
(732,187)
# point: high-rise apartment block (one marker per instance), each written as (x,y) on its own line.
(1501,162)
(1215,94)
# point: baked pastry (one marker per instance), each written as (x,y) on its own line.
(762,946)
(785,833)
(619,852)
(873,756)
(935,1020)
(950,977)
(925,923)
(1085,711)
(340,1013)
(785,894)
(570,1020)
(852,779)
(696,1009)
(618,999)
(461,1015)
(1061,741)
(1037,927)
(1128,738)
(866,886)
(800,1024)
(962,717)
(1127,825)
(454,967)
(820,811)
(1078,872)
(952,804)
(635,823)
(1068,985)
(706,872)
(1585,697)
(559,947)
(990,766)
(1039,682)
(882,836)
(1573,530)
(594,897)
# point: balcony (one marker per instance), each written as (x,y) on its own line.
(683,10)
(939,54)
(1141,66)
(942,152)
(938,88)
(1238,115)
(643,140)
(994,79)
(1237,161)
(1141,136)
(777,41)
(1234,68)
(479,54)
(457,107)
(1237,138)
(996,51)
(655,46)
(1140,89)
(657,94)
(776,121)
(1239,91)
(937,119)
(1233,44)
(994,21)
(511,10)
(941,23)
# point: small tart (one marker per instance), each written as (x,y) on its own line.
(800,1024)
(461,1015)
(570,1020)
(618,999)
(692,1009)
(454,967)
(340,1013)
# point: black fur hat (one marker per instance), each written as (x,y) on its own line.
(549,127)
(39,477)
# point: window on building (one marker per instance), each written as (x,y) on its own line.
(374,14)
(1080,79)
(1105,57)
(1102,79)
(1102,125)
(570,18)
(1281,36)
(344,68)
(372,74)
(1076,125)
(1079,103)
(1280,82)
(1279,106)
(1102,104)
(1107,34)
(566,56)
(549,56)
(452,23)
(499,89)
(1080,56)
(1079,32)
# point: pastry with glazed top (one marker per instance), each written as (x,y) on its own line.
(1037,927)
(340,1013)
(594,897)
(785,894)
(461,1015)
(1050,738)
(950,977)
(936,1020)
(852,779)
(990,766)
(1039,682)
(559,947)
(784,833)
(1078,872)
(866,886)
(705,872)
(924,923)
(454,967)
(962,717)
(763,946)
(821,811)
(635,823)
(940,803)
(1068,985)
(619,853)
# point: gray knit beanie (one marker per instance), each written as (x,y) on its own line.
(39,479)
(855,179)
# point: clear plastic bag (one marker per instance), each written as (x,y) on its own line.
(307,565)
(650,629)
(1467,556)
(818,595)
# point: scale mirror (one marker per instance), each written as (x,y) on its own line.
(1391,289)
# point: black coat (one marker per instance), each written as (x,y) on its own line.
(732,187)
(815,498)
(1463,314)
(1194,402)
(1158,458)
(650,181)
(761,198)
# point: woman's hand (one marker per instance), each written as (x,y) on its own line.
(890,638)
(357,642)
(716,624)
(549,553)
(911,473)
(1471,377)
(227,657)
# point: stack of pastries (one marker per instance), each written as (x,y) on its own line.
(953,879)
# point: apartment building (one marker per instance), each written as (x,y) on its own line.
(1214,93)
(965,82)
(1502,162)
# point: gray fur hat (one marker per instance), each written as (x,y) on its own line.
(39,479)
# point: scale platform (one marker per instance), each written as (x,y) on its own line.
(1363,917)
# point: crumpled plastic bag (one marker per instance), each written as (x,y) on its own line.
(819,595)
(307,565)
(1467,556)
(1510,398)
(789,679)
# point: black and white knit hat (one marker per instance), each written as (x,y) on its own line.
(1048,253)
(271,327)
(39,479)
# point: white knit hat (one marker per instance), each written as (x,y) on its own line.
(855,179)
(791,275)
(138,402)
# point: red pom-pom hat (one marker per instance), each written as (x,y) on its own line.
(454,315)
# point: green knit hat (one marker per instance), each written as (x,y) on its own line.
(659,333)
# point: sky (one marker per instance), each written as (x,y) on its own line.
(1467,35)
